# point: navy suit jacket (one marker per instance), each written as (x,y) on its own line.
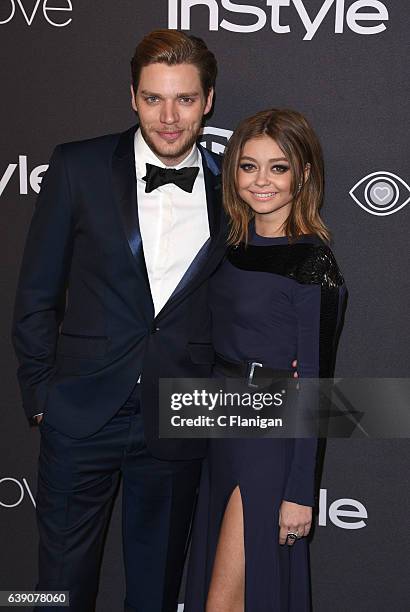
(84,326)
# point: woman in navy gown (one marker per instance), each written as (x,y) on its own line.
(277,297)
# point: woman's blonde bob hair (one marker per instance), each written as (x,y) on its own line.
(295,137)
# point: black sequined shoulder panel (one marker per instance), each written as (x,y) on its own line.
(309,264)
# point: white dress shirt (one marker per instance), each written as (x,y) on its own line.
(173,223)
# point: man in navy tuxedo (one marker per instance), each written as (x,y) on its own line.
(112,296)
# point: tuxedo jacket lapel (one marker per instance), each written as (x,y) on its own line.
(213,188)
(125,193)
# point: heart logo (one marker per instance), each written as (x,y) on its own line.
(382,193)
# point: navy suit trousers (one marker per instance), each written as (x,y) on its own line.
(78,480)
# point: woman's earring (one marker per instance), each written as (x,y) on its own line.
(300,186)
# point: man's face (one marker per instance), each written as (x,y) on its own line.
(170,104)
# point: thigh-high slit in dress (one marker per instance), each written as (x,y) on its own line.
(272,302)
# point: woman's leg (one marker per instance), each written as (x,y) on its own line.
(227,587)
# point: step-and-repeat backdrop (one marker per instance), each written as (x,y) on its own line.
(65,76)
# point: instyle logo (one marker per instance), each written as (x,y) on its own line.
(25,178)
(345,513)
(14,492)
(212,138)
(381,193)
(282,14)
(215,139)
(340,510)
(54,12)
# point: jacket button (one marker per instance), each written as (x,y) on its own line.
(154,329)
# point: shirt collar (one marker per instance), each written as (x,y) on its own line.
(144,155)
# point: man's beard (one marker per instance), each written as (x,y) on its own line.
(183,150)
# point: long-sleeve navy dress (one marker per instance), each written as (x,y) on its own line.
(271,302)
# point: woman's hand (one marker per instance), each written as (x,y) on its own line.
(293,518)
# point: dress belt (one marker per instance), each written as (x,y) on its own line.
(249,370)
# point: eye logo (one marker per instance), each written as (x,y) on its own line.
(381,193)
(215,139)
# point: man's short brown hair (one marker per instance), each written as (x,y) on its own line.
(172,48)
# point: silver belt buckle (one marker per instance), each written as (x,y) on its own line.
(251,370)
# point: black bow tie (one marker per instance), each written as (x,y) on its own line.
(183,178)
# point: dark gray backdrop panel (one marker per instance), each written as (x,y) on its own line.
(67,83)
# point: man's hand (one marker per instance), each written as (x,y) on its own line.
(294,365)
(293,518)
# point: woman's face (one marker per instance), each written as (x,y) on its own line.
(264,178)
